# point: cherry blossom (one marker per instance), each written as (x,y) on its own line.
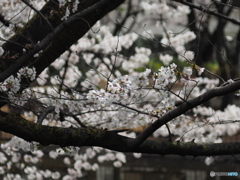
(95,83)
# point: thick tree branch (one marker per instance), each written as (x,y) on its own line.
(74,32)
(95,12)
(63,137)
(36,30)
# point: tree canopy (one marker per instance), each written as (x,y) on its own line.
(114,74)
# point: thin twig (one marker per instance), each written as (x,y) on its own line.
(191,5)
(39,13)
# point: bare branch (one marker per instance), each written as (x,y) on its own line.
(38,12)
(191,5)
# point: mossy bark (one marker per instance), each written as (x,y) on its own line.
(79,137)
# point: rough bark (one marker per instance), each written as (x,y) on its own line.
(107,139)
(64,35)
(37,36)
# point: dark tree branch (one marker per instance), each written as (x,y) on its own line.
(5,22)
(78,121)
(74,32)
(183,108)
(94,9)
(37,30)
(79,137)
(123,21)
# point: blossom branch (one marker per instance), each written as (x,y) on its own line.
(49,38)
(136,110)
(183,108)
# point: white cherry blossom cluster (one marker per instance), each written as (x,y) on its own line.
(87,46)
(12,84)
(186,130)
(116,91)
(10,7)
(29,73)
(114,88)
(178,41)
(207,126)
(140,59)
(101,98)
(62,3)
(166,59)
(140,79)
(104,41)
(208,83)
(118,158)
(194,87)
(70,6)
(162,8)
(20,99)
(165,76)
(27,163)
(168,16)
(120,90)
(75,3)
